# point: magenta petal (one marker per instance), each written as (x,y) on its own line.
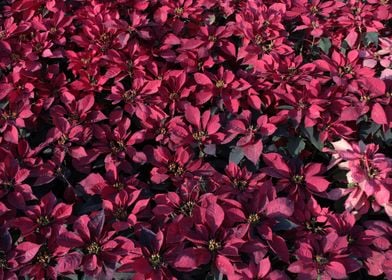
(224,265)
(192,115)
(11,134)
(253,151)
(214,216)
(280,207)
(69,262)
(336,270)
(317,183)
(278,245)
(202,79)
(191,258)
(90,262)
(70,240)
(378,114)
(27,251)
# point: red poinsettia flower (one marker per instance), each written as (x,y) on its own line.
(12,177)
(68,139)
(136,98)
(249,143)
(124,209)
(261,214)
(7,255)
(204,127)
(323,258)
(155,259)
(13,118)
(47,260)
(300,179)
(117,143)
(176,166)
(44,217)
(212,242)
(100,249)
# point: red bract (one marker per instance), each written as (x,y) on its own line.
(49,260)
(100,248)
(155,258)
(7,255)
(12,118)
(296,178)
(13,190)
(195,139)
(43,218)
(124,209)
(212,241)
(249,143)
(176,167)
(325,258)
(261,214)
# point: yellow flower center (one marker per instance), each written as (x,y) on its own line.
(298,179)
(199,135)
(187,208)
(155,261)
(220,84)
(93,248)
(213,245)
(176,169)
(43,220)
(253,218)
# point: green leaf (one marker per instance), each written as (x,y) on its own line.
(313,137)
(284,224)
(3,105)
(123,275)
(368,128)
(370,37)
(285,107)
(69,277)
(325,44)
(92,203)
(387,137)
(344,46)
(295,146)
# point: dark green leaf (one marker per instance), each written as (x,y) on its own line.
(295,146)
(325,44)
(123,276)
(312,137)
(368,128)
(70,277)
(387,136)
(93,203)
(147,238)
(284,224)
(285,107)
(344,47)
(3,105)
(370,37)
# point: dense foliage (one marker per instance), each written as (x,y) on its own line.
(195,139)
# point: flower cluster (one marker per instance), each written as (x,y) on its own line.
(195,139)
